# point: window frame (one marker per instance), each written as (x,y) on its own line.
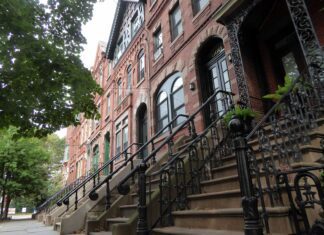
(198,6)
(175,25)
(121,144)
(157,49)
(135,24)
(167,87)
(129,78)
(141,72)
(119,91)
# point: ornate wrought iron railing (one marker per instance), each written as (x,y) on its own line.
(95,178)
(50,202)
(279,137)
(218,104)
(138,154)
(182,176)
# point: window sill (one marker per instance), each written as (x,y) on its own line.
(175,43)
(153,5)
(158,59)
(201,13)
(140,82)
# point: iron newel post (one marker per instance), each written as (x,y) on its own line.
(251,215)
(142,228)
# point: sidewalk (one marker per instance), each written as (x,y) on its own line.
(25,227)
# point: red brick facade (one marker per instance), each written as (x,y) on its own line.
(179,55)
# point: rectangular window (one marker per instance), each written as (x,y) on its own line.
(108,105)
(119,91)
(122,136)
(158,44)
(118,139)
(135,24)
(175,20)
(198,5)
(125,137)
(119,49)
(129,79)
(97,121)
(141,66)
(100,75)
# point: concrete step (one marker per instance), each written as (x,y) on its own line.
(225,170)
(57,226)
(116,220)
(224,199)
(230,219)
(128,210)
(100,233)
(188,231)
(135,196)
(220,184)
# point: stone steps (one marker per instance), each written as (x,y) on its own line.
(230,219)
(188,231)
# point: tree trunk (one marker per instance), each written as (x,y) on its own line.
(2,203)
(8,200)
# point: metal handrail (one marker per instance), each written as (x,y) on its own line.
(94,174)
(170,137)
(59,192)
(273,108)
(93,191)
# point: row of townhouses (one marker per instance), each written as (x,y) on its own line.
(169,155)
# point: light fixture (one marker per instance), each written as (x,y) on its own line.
(192,86)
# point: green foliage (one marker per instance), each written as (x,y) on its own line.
(242,113)
(43,82)
(55,146)
(23,166)
(282,90)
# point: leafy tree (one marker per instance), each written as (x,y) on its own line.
(55,146)
(43,83)
(23,168)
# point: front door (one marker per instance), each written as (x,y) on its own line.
(218,73)
(142,123)
(107,152)
(95,159)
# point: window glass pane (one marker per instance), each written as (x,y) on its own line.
(178,98)
(228,86)
(176,26)
(178,83)
(163,123)
(125,137)
(290,65)
(162,96)
(225,76)
(163,109)
(118,142)
(180,119)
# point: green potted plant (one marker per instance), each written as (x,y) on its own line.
(282,90)
(245,114)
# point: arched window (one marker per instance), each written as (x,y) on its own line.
(177,99)
(170,101)
(162,110)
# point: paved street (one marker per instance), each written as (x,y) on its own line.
(25,227)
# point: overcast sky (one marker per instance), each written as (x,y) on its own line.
(96,30)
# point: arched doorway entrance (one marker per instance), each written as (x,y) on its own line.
(213,74)
(95,158)
(270,50)
(142,127)
(107,151)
